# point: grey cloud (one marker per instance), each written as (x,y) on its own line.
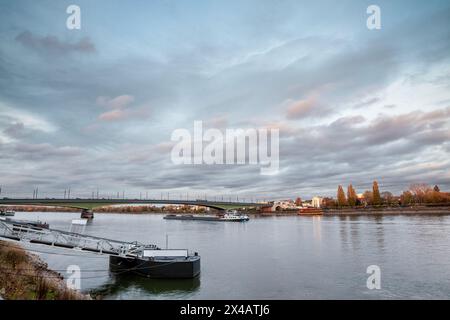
(353,150)
(210,79)
(366,103)
(52,45)
(15,130)
(41,151)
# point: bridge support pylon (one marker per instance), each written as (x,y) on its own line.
(87,214)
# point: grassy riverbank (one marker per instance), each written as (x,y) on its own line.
(23,276)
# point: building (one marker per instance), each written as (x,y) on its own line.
(280,205)
(316,202)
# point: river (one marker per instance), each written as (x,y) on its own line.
(271,257)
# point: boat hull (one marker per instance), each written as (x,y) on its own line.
(176,268)
(7,214)
(310,212)
(87,214)
(199,218)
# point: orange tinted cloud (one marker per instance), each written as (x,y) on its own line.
(301,108)
(118,102)
(112,115)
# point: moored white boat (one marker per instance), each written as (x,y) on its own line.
(234,215)
(229,215)
(7,213)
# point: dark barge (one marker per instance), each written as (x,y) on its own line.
(170,263)
(227,217)
(35,225)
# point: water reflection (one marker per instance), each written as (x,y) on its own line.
(125,282)
(343,231)
(354,232)
(256,260)
(380,228)
(317,227)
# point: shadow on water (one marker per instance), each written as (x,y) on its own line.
(124,282)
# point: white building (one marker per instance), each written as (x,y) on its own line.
(283,205)
(316,202)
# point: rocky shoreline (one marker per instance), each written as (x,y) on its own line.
(24,276)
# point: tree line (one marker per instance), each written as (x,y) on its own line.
(418,193)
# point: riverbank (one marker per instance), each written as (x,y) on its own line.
(418,210)
(412,210)
(106,209)
(24,276)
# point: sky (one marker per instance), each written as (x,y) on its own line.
(95,108)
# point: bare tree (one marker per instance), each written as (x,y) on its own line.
(419,190)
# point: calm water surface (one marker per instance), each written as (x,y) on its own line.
(272,257)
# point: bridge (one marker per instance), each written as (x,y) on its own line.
(88,205)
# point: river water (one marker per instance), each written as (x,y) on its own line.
(271,257)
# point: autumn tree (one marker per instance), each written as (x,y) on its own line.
(376,198)
(387,197)
(419,190)
(432,196)
(341,200)
(406,198)
(351,196)
(368,197)
(329,202)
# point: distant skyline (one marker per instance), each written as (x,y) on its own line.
(95,108)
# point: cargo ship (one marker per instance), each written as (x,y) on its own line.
(309,211)
(36,225)
(229,216)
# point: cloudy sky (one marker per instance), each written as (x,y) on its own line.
(96,107)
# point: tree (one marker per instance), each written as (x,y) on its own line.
(376,198)
(419,190)
(328,202)
(352,198)
(298,202)
(432,196)
(387,197)
(406,198)
(341,200)
(368,197)
(436,188)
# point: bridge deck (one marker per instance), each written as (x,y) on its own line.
(95,203)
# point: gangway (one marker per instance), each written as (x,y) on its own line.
(14,230)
